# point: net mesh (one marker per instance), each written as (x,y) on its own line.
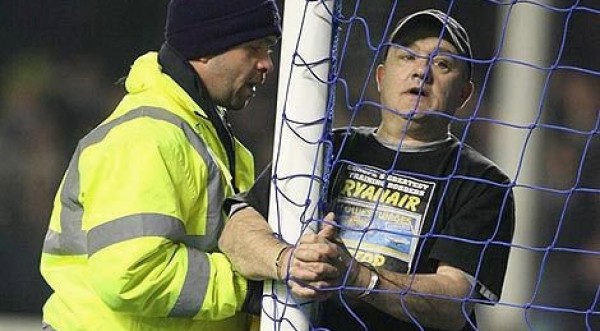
(549,145)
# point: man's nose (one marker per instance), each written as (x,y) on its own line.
(422,69)
(265,65)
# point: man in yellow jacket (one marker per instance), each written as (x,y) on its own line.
(132,239)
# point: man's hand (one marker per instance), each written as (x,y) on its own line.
(313,270)
(320,263)
(312,264)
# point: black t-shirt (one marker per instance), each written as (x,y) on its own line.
(406,211)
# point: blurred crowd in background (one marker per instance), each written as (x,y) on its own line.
(59,70)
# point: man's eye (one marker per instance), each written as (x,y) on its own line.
(407,57)
(260,48)
(255,46)
(442,64)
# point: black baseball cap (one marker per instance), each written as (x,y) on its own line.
(454,32)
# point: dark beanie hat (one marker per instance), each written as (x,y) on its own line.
(197,28)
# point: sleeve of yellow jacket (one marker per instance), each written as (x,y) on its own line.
(144,190)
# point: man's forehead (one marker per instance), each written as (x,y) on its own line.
(431,23)
(268,41)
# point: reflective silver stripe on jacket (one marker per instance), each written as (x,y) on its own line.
(194,287)
(134,226)
(72,240)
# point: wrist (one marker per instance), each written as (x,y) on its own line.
(373,281)
(281,262)
(364,282)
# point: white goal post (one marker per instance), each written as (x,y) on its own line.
(297,153)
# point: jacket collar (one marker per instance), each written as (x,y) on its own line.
(182,72)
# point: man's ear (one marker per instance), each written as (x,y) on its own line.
(204,59)
(466,93)
(379,73)
(200,65)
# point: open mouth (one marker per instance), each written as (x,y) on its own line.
(417,91)
(252,88)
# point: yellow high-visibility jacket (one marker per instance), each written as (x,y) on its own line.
(132,240)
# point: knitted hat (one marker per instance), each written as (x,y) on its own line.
(197,28)
(453,31)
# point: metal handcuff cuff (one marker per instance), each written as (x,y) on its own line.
(372,283)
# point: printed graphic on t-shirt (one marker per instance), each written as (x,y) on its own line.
(381,215)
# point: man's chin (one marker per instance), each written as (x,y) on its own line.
(243,100)
(415,114)
(239,105)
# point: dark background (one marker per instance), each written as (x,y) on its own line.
(59,62)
